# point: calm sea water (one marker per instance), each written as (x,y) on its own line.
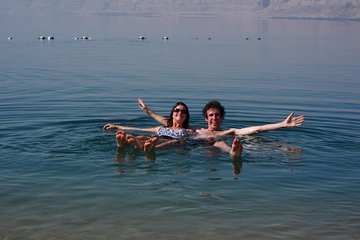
(62,177)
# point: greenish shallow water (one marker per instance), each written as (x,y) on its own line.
(62,177)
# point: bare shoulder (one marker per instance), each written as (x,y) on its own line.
(201,131)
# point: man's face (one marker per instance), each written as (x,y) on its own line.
(213,119)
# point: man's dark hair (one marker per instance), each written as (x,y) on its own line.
(216,105)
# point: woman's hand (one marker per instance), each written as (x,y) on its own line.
(109,126)
(161,119)
(142,105)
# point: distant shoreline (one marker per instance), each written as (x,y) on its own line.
(290,9)
(186,14)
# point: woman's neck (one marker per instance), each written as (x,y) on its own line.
(177,125)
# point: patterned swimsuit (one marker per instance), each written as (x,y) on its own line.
(172,133)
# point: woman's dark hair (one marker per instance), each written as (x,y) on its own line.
(215,105)
(187,119)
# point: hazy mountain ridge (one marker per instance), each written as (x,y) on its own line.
(346,9)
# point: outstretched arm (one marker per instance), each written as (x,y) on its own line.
(161,119)
(290,121)
(110,126)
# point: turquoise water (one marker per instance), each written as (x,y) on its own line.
(62,177)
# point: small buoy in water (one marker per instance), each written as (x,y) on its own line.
(76,38)
(10,38)
(259,38)
(50,38)
(209,38)
(166,38)
(41,38)
(247,38)
(142,38)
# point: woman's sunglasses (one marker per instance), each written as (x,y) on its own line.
(180,110)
